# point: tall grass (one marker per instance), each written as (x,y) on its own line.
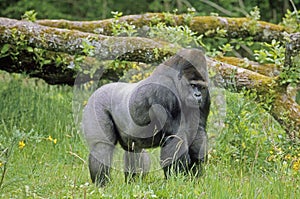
(248,155)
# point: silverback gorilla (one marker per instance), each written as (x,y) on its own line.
(169,109)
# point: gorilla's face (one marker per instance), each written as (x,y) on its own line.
(198,90)
(193,87)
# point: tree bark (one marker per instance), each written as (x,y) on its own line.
(17,32)
(269,92)
(53,72)
(235,27)
(270,70)
(292,49)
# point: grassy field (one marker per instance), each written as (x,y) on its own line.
(43,155)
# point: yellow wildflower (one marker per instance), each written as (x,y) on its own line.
(296,165)
(1,164)
(271,158)
(243,145)
(50,138)
(84,103)
(134,66)
(288,157)
(21,144)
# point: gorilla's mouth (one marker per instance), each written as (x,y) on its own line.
(198,97)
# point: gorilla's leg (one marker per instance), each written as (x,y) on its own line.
(100,162)
(136,163)
(101,137)
(198,153)
(174,156)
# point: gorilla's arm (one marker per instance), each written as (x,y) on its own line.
(198,152)
(140,103)
(149,95)
(100,134)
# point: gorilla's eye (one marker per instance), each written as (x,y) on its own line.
(201,87)
(197,86)
(193,85)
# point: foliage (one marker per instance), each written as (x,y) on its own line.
(45,9)
(275,53)
(271,53)
(181,35)
(30,15)
(291,21)
(254,16)
(291,74)
(122,28)
(222,45)
(254,140)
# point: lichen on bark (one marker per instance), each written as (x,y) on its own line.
(235,27)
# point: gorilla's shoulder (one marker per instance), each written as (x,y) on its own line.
(116,91)
(115,86)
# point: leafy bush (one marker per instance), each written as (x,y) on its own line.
(253,140)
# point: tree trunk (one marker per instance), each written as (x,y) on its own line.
(270,70)
(26,33)
(235,27)
(270,93)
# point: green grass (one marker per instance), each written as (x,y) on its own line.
(248,157)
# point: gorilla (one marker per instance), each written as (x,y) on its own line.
(169,109)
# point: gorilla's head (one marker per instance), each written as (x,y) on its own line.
(192,76)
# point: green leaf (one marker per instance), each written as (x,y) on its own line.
(5,48)
(47,61)
(29,49)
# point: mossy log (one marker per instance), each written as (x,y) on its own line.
(269,92)
(18,32)
(54,72)
(270,70)
(235,27)
(51,72)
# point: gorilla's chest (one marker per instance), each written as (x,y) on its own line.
(148,134)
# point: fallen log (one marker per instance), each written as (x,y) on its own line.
(268,91)
(270,70)
(234,27)
(18,32)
